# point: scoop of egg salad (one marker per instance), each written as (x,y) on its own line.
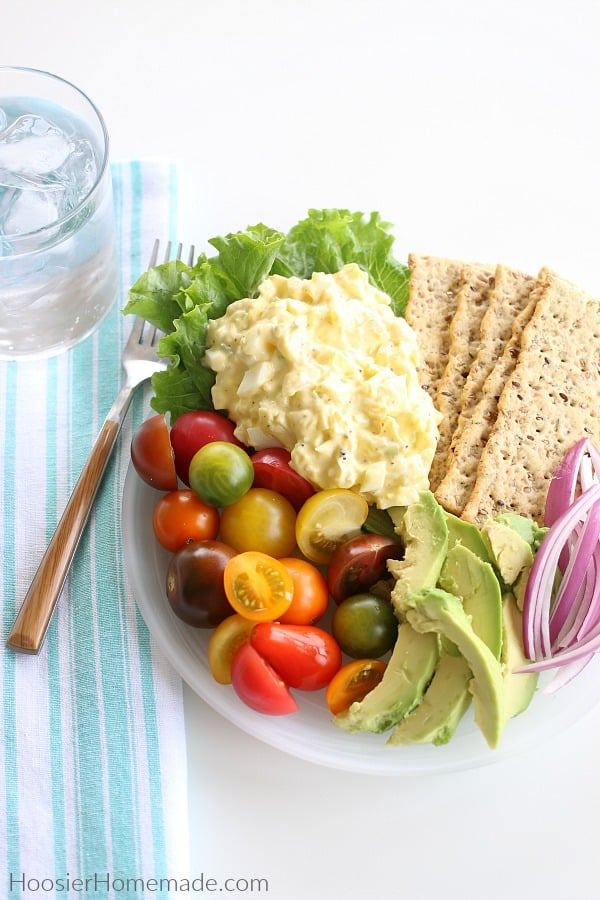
(324,368)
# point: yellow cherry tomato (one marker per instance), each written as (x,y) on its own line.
(225,641)
(328,519)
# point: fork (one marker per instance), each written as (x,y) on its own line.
(139,362)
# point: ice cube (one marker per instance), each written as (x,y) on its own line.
(44,174)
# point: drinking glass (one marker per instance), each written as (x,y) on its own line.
(58,262)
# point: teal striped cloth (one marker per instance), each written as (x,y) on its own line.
(92,758)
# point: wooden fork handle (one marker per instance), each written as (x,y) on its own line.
(31,623)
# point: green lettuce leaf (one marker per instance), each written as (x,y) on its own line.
(180,300)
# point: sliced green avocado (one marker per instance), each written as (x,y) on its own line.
(433,610)
(475,583)
(509,550)
(408,672)
(527,528)
(445,702)
(519,687)
(467,534)
(424,532)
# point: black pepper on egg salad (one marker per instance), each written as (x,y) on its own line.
(325,369)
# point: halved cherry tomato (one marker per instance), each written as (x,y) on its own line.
(311,596)
(258,685)
(306,657)
(359,563)
(260,520)
(258,586)
(327,519)
(353,682)
(180,517)
(192,430)
(195,583)
(224,642)
(152,454)
(272,469)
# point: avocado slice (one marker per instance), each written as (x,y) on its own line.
(445,702)
(519,687)
(424,532)
(408,672)
(511,553)
(475,583)
(527,528)
(433,610)
(467,534)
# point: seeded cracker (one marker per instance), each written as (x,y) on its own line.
(472,302)
(509,297)
(547,405)
(433,288)
(508,311)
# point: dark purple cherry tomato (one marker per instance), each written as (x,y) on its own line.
(272,470)
(192,430)
(359,563)
(195,583)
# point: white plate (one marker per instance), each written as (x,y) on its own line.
(309,733)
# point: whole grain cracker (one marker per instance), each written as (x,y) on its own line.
(509,297)
(432,296)
(547,405)
(471,304)
(455,489)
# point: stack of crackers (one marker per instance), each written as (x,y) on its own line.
(512,361)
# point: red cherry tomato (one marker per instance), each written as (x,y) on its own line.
(311,596)
(258,685)
(152,454)
(306,657)
(357,564)
(272,470)
(192,430)
(180,517)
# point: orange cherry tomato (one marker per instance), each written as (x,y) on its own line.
(224,642)
(258,586)
(180,517)
(152,454)
(311,596)
(353,682)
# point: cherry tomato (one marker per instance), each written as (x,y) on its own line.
(365,625)
(311,596)
(152,454)
(357,564)
(221,473)
(192,430)
(260,520)
(272,469)
(258,685)
(306,657)
(258,586)
(180,517)
(327,519)
(195,583)
(224,642)
(352,683)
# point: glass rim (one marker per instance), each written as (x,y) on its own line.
(15,239)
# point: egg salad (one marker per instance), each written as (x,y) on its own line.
(325,369)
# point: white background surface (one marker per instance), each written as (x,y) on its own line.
(473,127)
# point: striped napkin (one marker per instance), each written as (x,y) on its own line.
(92,757)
